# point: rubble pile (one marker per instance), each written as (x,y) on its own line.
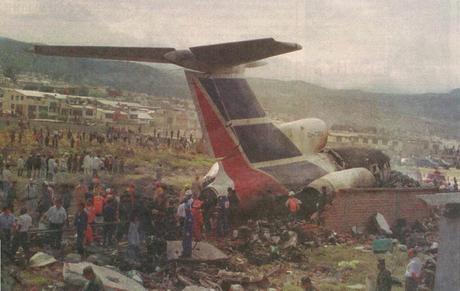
(400,180)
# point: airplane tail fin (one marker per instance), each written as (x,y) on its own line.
(239,136)
(232,119)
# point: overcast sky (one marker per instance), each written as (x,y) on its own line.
(379,45)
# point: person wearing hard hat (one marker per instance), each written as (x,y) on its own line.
(293,205)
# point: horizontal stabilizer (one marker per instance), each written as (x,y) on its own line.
(138,54)
(224,57)
(241,52)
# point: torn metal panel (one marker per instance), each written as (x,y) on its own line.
(112,280)
(202,252)
(41,259)
(448,260)
(440,199)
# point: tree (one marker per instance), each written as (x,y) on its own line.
(11,73)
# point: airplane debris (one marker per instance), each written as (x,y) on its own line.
(112,280)
(41,259)
(203,252)
(382,224)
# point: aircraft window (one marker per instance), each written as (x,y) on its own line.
(265,142)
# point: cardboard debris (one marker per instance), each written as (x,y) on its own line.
(41,259)
(202,252)
(112,280)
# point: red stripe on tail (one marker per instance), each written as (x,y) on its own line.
(250,184)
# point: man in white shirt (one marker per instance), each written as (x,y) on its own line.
(180,213)
(87,160)
(413,271)
(21,237)
(52,165)
(57,216)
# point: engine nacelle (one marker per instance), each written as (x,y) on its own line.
(350,178)
(309,135)
(217,181)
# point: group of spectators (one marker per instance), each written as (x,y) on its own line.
(104,215)
(77,139)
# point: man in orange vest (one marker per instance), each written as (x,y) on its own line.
(293,205)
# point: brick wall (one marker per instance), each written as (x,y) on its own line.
(355,206)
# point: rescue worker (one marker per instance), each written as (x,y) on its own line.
(197,217)
(293,205)
(89,234)
(98,203)
(384,280)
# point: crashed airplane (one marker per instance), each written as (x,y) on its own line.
(254,156)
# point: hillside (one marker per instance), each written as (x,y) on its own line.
(421,113)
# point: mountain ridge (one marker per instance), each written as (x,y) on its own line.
(293,99)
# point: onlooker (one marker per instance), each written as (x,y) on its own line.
(20,166)
(7,222)
(413,271)
(109,214)
(57,216)
(21,237)
(133,238)
(81,224)
(384,280)
(223,206)
(94,283)
(307,285)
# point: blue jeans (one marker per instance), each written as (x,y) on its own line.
(222,222)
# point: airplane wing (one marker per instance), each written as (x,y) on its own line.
(138,54)
(241,52)
(208,58)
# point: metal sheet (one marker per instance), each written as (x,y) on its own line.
(440,198)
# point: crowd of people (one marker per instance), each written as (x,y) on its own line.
(78,138)
(105,216)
